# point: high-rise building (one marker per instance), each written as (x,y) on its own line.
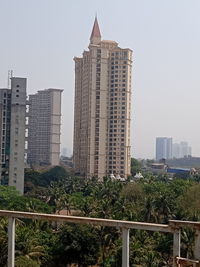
(102,112)
(176,153)
(44,127)
(163,148)
(12,133)
(181,150)
(185,150)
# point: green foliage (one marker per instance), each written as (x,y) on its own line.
(189,202)
(11,199)
(24,261)
(136,166)
(153,199)
(28,246)
(44,179)
(76,244)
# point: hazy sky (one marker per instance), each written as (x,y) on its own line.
(39,38)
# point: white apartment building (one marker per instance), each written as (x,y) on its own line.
(163,148)
(102,111)
(44,127)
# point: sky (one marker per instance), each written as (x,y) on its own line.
(39,38)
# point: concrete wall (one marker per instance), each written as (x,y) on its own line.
(17,133)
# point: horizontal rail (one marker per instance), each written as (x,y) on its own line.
(87,220)
(181,260)
(179,224)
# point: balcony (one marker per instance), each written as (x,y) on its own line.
(174,227)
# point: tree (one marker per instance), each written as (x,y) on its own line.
(77,244)
(28,246)
(136,166)
(189,202)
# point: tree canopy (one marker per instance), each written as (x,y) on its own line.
(152,199)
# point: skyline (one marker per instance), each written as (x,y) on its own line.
(39,43)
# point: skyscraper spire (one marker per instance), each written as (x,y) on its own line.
(95,37)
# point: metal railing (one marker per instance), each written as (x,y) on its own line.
(174,227)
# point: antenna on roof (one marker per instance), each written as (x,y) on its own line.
(10,75)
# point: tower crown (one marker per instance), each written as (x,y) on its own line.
(95,37)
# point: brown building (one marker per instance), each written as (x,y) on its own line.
(102,112)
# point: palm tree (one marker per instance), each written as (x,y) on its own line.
(27,246)
(3,241)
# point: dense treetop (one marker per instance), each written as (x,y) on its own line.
(152,199)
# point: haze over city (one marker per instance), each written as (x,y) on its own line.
(40,39)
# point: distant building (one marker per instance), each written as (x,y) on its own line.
(102,112)
(176,151)
(181,150)
(163,148)
(12,133)
(64,152)
(156,168)
(44,127)
(67,161)
(182,172)
(185,150)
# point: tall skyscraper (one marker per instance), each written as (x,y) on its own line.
(185,150)
(102,112)
(181,150)
(12,133)
(176,153)
(44,127)
(163,148)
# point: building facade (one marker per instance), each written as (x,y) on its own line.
(12,133)
(163,148)
(102,109)
(44,127)
(181,150)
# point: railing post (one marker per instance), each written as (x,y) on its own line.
(125,247)
(197,246)
(11,242)
(176,246)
